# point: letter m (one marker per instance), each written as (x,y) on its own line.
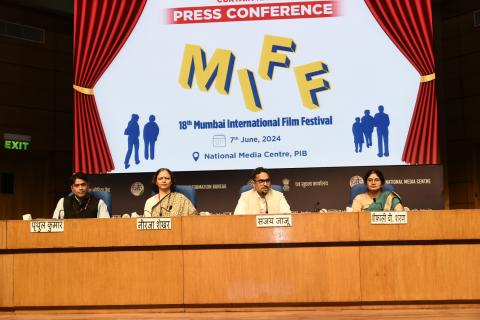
(220,67)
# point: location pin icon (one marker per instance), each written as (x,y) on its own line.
(195,155)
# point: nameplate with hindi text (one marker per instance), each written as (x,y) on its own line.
(154,223)
(269,220)
(389,217)
(47,226)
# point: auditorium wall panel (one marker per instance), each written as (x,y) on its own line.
(63,85)
(456,123)
(470,65)
(470,84)
(463,194)
(7,203)
(36,100)
(458,58)
(28,76)
(472,107)
(19,97)
(16,55)
(471,39)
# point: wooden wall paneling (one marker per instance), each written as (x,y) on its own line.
(471,106)
(425,225)
(120,278)
(62,43)
(470,85)
(87,233)
(7,203)
(35,56)
(64,99)
(17,101)
(420,272)
(462,193)
(30,183)
(328,227)
(3,234)
(272,275)
(470,62)
(62,141)
(27,76)
(62,62)
(6,270)
(6,280)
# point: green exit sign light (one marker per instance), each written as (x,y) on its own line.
(16,142)
(16,145)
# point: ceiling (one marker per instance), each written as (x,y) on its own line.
(56,6)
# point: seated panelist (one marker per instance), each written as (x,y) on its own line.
(262,199)
(166,202)
(375,199)
(80,204)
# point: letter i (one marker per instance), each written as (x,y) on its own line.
(249,90)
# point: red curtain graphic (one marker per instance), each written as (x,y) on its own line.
(408,23)
(101,28)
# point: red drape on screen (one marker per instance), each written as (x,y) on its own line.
(408,23)
(101,28)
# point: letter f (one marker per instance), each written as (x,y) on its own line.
(270,58)
(308,86)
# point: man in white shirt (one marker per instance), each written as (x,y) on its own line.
(81,204)
(262,199)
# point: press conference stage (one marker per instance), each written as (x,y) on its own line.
(324,266)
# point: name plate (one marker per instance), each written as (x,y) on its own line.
(47,226)
(280,220)
(154,223)
(393,217)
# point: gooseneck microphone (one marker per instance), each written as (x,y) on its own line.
(167,208)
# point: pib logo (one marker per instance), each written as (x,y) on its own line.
(355,180)
(137,189)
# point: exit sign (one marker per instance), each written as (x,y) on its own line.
(16,142)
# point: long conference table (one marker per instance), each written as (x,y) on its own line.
(227,262)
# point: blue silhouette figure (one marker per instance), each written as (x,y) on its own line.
(133,132)
(367,123)
(381,121)
(150,134)
(357,129)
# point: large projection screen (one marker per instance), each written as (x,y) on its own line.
(221,85)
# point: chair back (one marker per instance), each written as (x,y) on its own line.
(362,188)
(248,187)
(189,192)
(105,196)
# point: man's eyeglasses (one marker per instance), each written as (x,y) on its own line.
(262,181)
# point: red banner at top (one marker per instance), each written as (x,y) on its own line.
(268,11)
